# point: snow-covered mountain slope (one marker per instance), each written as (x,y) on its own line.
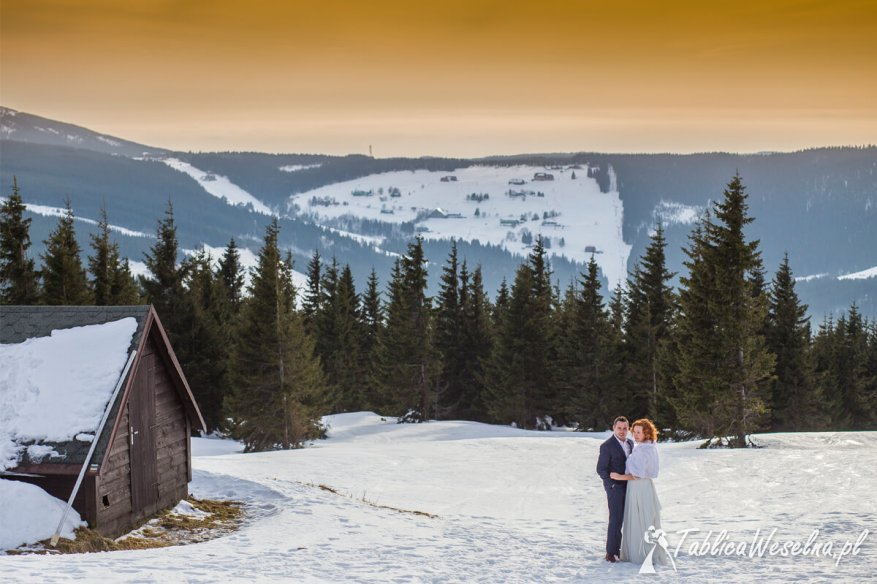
(48,211)
(504,505)
(219,186)
(505,206)
(25,127)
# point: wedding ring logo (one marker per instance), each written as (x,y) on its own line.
(658,538)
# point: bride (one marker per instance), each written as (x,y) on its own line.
(642,510)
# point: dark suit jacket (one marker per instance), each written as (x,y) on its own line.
(612,459)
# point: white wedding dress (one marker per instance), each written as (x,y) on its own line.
(642,510)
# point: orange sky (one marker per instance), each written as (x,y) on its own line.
(463,78)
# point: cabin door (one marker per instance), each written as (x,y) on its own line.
(141,414)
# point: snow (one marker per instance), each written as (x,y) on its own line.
(248,261)
(219,186)
(585,216)
(298,167)
(506,505)
(28,514)
(186,508)
(53,388)
(810,277)
(869,273)
(48,211)
(673,213)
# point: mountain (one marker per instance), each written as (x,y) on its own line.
(818,205)
(24,127)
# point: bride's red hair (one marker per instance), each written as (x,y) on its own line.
(649,430)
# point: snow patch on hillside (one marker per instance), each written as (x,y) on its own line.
(48,211)
(298,167)
(869,273)
(573,214)
(219,186)
(673,213)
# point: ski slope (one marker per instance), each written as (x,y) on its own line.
(569,209)
(507,506)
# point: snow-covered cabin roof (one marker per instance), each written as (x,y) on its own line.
(59,366)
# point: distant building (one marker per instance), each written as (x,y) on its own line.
(543,176)
(517,181)
(449,178)
(437,214)
(361,193)
(551,223)
(386,211)
(509,222)
(591,249)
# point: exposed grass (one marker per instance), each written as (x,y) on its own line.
(372,503)
(164,530)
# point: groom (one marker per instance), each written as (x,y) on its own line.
(613,458)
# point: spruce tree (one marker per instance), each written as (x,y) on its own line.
(449,338)
(313,295)
(18,278)
(593,362)
(231,276)
(407,364)
(64,279)
(795,403)
(99,263)
(124,290)
(477,343)
(111,281)
(277,384)
(649,311)
(164,284)
(724,366)
(203,340)
(521,375)
(371,317)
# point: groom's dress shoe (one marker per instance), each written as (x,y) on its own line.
(610,558)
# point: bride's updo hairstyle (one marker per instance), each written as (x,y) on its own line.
(649,430)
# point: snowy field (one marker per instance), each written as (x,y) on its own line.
(507,505)
(577,211)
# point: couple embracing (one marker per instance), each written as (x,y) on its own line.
(627,468)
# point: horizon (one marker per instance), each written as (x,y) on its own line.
(457,80)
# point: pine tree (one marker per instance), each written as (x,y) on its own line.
(449,338)
(124,290)
(649,314)
(477,345)
(795,403)
(407,368)
(590,357)
(313,294)
(371,317)
(99,263)
(64,278)
(112,283)
(231,276)
(18,278)
(202,343)
(520,377)
(164,285)
(723,363)
(277,383)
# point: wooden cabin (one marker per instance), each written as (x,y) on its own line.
(142,461)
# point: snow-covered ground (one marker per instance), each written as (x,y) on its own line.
(219,186)
(507,506)
(570,209)
(60,212)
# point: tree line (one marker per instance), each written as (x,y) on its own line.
(725,354)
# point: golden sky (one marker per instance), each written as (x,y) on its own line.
(449,78)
